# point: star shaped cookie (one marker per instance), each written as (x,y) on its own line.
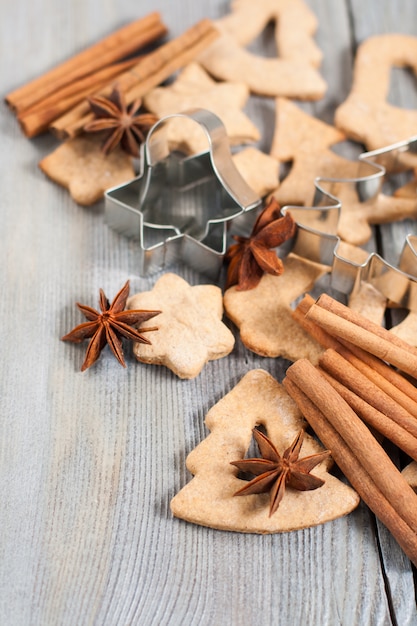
(190,330)
(195,89)
(208,499)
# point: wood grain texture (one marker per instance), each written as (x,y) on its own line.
(89,462)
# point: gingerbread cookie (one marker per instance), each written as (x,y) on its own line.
(209,500)
(295,26)
(190,330)
(305,142)
(407,329)
(259,170)
(80,166)
(369,302)
(263,314)
(410,474)
(292,74)
(365,115)
(195,89)
(408,190)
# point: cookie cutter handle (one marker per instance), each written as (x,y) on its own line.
(156,148)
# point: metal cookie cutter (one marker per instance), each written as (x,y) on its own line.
(317,240)
(182,207)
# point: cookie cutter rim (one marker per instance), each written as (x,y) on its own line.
(397,283)
(124,213)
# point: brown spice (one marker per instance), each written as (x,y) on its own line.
(109,326)
(358,437)
(149,72)
(274,472)
(251,256)
(350,464)
(126,127)
(396,432)
(114,47)
(347,374)
(343,323)
(37,119)
(353,384)
(385,377)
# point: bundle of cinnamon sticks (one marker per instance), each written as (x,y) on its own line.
(57,100)
(355,393)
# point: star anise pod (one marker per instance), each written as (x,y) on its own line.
(109,326)
(274,472)
(125,126)
(251,256)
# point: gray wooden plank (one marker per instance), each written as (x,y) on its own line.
(371,19)
(90,461)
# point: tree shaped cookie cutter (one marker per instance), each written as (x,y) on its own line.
(317,240)
(183,208)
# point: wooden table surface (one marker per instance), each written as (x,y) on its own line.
(89,462)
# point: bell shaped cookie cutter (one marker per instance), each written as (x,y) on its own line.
(317,238)
(183,207)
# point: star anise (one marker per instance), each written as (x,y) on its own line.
(274,472)
(109,326)
(252,256)
(125,126)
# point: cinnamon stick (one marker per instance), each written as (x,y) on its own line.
(150,72)
(114,47)
(37,119)
(318,333)
(354,471)
(375,419)
(358,437)
(353,379)
(384,376)
(382,372)
(381,344)
(330,304)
